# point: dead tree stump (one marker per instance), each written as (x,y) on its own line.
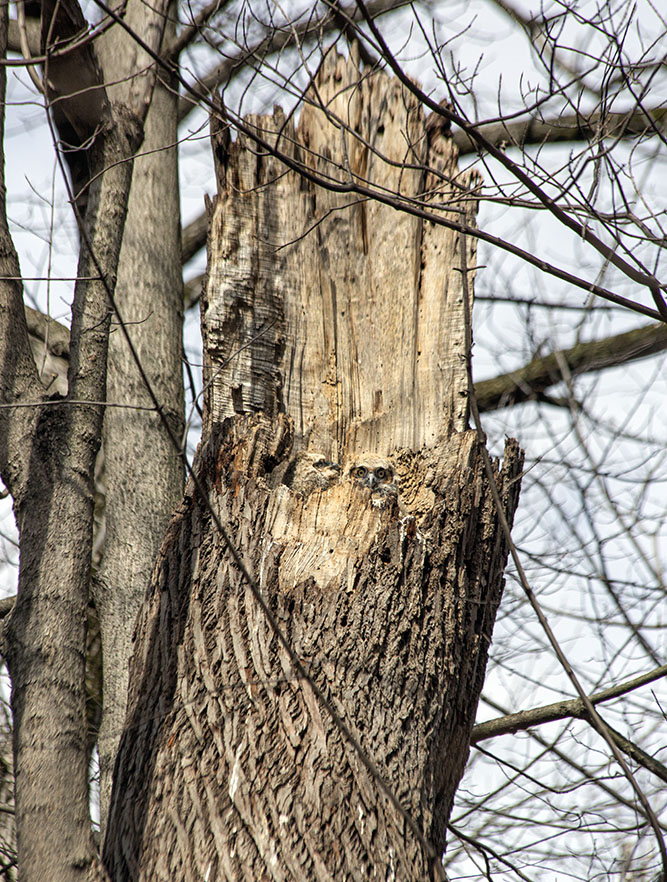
(332,325)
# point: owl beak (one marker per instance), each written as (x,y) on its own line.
(372,481)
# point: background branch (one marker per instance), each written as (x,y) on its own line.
(533,379)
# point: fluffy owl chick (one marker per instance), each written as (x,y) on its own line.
(375,473)
(310,471)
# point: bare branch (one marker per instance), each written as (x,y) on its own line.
(640,276)
(190,32)
(275,41)
(74,89)
(575,127)
(192,291)
(505,135)
(32,33)
(193,237)
(18,375)
(568,760)
(594,719)
(48,331)
(559,710)
(533,379)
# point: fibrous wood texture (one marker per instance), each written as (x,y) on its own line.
(349,340)
(354,309)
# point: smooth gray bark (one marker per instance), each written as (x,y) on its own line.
(142,471)
(53,502)
(47,458)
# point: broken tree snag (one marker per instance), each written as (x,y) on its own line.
(354,309)
(333,330)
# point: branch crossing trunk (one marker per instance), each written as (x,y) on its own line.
(335,339)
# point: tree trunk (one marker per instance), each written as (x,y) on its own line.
(47,457)
(336,328)
(143,474)
(7,820)
(50,479)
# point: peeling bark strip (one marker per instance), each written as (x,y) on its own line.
(229,767)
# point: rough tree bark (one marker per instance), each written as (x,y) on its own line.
(7,822)
(336,326)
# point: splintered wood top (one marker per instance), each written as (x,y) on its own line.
(340,311)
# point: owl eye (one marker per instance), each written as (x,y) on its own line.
(321,463)
(360,471)
(381,474)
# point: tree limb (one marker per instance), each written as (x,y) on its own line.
(567,760)
(76,95)
(32,30)
(559,710)
(193,237)
(190,32)
(574,127)
(192,290)
(638,755)
(530,381)
(18,375)
(51,478)
(576,709)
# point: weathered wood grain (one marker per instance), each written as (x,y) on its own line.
(358,306)
(230,768)
(336,326)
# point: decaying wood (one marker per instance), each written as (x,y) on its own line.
(229,769)
(349,339)
(355,308)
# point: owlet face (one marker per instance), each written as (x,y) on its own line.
(311,471)
(373,473)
